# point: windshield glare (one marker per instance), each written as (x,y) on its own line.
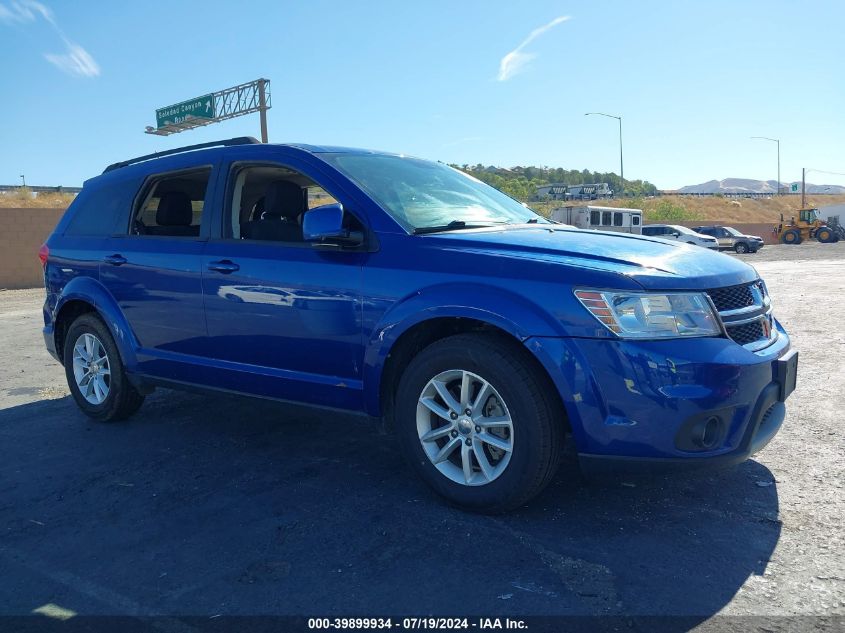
(419,193)
(733,231)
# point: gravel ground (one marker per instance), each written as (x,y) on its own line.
(217,504)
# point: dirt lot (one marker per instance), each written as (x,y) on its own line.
(209,505)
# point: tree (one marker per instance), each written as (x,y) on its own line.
(522,182)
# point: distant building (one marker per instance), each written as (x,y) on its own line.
(559,191)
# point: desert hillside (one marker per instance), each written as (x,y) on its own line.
(712,208)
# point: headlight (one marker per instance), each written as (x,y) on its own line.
(652,315)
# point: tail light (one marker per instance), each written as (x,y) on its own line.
(43,254)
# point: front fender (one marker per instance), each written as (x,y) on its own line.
(91,291)
(500,308)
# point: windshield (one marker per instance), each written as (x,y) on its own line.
(421,194)
(733,231)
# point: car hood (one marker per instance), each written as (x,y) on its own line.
(653,263)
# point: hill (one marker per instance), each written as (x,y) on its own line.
(711,209)
(748,185)
(22,198)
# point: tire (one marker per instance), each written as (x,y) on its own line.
(741,247)
(517,391)
(824,235)
(108,396)
(791,237)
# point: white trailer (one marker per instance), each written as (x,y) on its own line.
(619,219)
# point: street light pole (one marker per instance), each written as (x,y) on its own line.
(774,140)
(621,164)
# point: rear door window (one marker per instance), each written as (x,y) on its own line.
(172,205)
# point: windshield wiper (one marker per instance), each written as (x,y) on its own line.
(454,225)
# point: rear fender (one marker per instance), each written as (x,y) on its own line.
(93,292)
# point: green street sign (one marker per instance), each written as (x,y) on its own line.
(199,108)
(794,187)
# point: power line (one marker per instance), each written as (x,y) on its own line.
(830,173)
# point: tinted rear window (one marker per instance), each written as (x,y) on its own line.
(100,211)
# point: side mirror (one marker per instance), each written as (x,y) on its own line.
(324,226)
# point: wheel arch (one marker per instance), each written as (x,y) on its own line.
(86,295)
(434,314)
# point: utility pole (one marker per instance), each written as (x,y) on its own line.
(262,109)
(774,140)
(621,165)
(803,185)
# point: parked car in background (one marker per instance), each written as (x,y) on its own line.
(731,239)
(680,234)
(401,288)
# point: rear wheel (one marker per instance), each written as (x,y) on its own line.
(741,247)
(95,373)
(478,423)
(791,236)
(824,235)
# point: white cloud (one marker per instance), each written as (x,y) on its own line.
(514,62)
(74,61)
(24,11)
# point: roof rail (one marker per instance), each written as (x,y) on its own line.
(240,140)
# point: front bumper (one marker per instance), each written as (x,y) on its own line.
(636,405)
(766,420)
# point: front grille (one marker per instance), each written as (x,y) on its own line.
(732,297)
(744,311)
(747,332)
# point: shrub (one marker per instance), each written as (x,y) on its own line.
(668,211)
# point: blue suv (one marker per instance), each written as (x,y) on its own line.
(401,288)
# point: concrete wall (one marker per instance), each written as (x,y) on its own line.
(22,232)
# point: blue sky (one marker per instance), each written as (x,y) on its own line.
(692,80)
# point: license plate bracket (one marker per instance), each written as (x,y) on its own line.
(786,371)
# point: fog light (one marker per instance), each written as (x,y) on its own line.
(707,432)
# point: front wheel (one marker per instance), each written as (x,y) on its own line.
(478,422)
(791,236)
(824,235)
(741,247)
(95,372)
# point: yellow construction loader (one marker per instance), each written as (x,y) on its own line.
(809,226)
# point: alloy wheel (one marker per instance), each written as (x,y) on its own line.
(91,368)
(464,427)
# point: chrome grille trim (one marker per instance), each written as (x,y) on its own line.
(739,308)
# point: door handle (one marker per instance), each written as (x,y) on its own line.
(115,260)
(226,267)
